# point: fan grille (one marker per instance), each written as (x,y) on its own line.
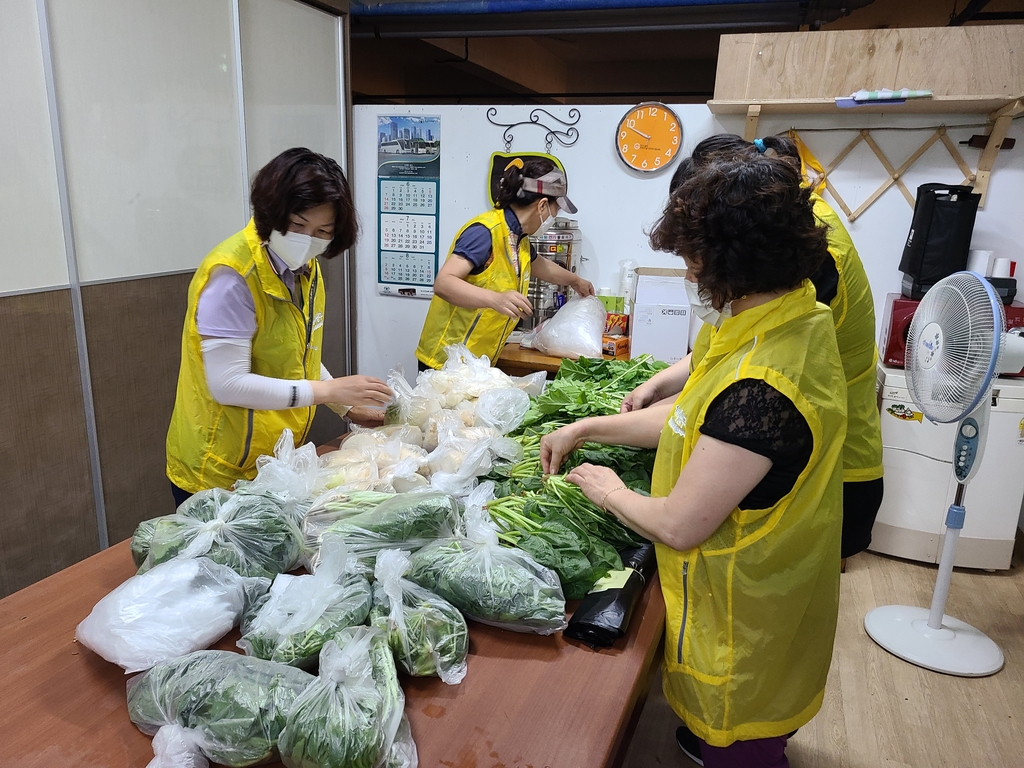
(950,371)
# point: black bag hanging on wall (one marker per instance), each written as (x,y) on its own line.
(940,236)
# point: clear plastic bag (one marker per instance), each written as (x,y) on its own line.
(533,384)
(405,521)
(575,331)
(289,477)
(177,607)
(332,506)
(250,534)
(489,583)
(217,705)
(427,634)
(502,409)
(337,720)
(301,613)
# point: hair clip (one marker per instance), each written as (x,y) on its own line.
(759,143)
(518,163)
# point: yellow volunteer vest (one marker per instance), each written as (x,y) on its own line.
(484,331)
(210,445)
(853,310)
(853,313)
(751,612)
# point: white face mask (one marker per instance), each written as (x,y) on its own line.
(703,309)
(296,249)
(545,225)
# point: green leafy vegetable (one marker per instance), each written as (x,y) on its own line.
(406,520)
(250,534)
(428,635)
(237,703)
(492,584)
(589,387)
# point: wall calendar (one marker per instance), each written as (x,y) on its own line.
(408,182)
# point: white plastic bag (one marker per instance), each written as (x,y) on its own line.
(502,409)
(288,477)
(177,607)
(338,720)
(301,613)
(533,384)
(575,331)
(489,583)
(249,533)
(214,705)
(427,634)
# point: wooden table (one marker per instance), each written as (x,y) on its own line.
(526,701)
(518,361)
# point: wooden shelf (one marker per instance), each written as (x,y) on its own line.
(935,105)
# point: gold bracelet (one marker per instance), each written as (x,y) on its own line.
(605,499)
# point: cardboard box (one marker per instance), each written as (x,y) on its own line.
(662,331)
(615,345)
(616,324)
(655,285)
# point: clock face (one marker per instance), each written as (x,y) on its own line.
(649,137)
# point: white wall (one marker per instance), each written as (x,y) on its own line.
(32,248)
(616,204)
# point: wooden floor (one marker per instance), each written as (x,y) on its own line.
(881,711)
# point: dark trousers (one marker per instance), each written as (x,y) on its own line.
(860,507)
(758,753)
(180,495)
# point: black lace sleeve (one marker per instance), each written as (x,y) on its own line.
(754,415)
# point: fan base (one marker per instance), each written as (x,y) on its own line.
(955,649)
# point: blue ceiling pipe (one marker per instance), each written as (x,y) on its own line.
(450,7)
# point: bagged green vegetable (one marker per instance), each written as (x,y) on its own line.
(341,718)
(492,584)
(142,538)
(427,634)
(406,521)
(402,753)
(217,705)
(330,507)
(301,613)
(250,534)
(288,478)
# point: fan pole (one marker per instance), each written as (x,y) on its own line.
(954,523)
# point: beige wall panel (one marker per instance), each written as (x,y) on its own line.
(134,336)
(291,100)
(149,110)
(47,518)
(32,248)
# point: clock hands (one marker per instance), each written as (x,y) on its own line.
(634,130)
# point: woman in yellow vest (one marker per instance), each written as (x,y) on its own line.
(746,501)
(842,284)
(480,293)
(253,333)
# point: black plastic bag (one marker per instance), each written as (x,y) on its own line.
(603,615)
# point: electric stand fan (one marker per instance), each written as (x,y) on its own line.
(956,346)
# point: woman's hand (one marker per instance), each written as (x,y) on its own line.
(641,397)
(369,418)
(352,390)
(583,287)
(555,446)
(597,483)
(511,304)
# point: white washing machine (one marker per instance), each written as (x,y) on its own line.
(919,483)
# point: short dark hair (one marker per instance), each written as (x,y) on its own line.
(295,181)
(747,225)
(729,145)
(511,183)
